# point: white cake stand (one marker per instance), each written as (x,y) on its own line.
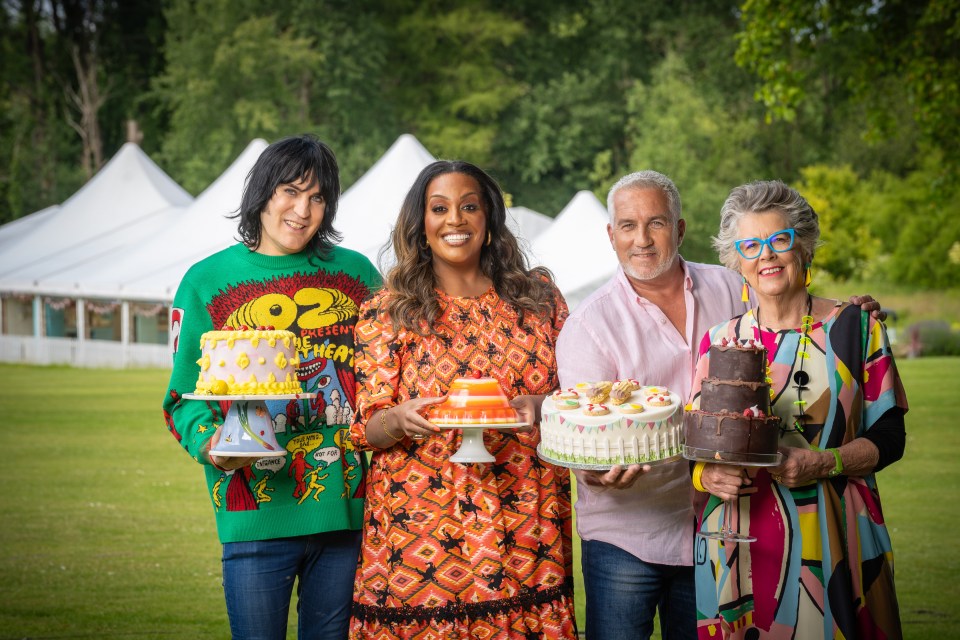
(583,466)
(472,447)
(247,428)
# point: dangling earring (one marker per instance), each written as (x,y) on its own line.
(426,245)
(488,237)
(745,294)
(808,278)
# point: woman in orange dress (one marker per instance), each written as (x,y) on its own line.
(459,550)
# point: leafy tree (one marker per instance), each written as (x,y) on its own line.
(235,73)
(680,130)
(839,198)
(450,75)
(917,220)
(856,51)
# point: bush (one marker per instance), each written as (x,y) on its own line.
(933,338)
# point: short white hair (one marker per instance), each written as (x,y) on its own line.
(648,179)
(761,197)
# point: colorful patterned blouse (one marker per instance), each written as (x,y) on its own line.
(822,564)
(461,550)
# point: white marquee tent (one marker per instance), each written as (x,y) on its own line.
(576,248)
(129,198)
(152,270)
(121,244)
(13,231)
(369,208)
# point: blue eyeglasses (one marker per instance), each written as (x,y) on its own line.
(751,248)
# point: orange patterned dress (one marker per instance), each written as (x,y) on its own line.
(461,550)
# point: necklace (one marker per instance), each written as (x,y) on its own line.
(800,377)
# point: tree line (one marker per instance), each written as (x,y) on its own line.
(854,102)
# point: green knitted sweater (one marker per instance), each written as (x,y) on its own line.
(319,485)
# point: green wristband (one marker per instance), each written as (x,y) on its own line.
(838,469)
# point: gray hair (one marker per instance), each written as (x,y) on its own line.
(648,179)
(761,197)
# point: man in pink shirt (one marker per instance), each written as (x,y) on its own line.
(636,523)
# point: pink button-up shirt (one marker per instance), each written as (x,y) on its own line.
(616,334)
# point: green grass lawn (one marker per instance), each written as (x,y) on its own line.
(106,530)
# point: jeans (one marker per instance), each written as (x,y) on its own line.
(624,592)
(258,582)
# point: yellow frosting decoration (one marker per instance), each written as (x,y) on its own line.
(204,362)
(255,340)
(261,360)
(243,361)
(221,363)
(280,360)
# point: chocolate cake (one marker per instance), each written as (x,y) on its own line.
(734,415)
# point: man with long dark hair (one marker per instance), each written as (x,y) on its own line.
(297,517)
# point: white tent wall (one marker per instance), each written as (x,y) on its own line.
(369,208)
(576,247)
(128,200)
(14,231)
(130,188)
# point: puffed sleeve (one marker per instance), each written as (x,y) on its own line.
(376,365)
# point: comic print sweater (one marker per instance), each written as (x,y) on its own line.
(319,485)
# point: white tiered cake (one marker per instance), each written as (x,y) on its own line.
(584,428)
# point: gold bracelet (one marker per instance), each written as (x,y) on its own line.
(383,425)
(697,474)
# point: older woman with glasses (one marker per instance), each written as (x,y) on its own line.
(821,565)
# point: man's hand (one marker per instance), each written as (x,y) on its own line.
(226,463)
(619,476)
(867,303)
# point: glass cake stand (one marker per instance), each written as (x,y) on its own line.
(247,430)
(472,447)
(729,530)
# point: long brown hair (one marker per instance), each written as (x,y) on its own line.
(413,303)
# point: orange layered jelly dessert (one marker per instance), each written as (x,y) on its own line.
(474,401)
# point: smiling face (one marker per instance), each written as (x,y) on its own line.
(643,233)
(291,218)
(455,222)
(772,274)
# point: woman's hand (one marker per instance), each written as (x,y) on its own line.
(723,480)
(389,426)
(528,408)
(801,467)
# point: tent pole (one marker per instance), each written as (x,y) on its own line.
(38,328)
(125,331)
